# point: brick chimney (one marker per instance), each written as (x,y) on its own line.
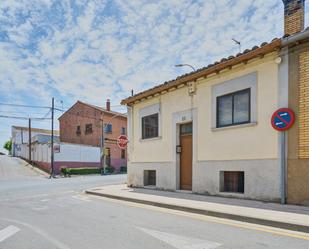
(108,105)
(294,16)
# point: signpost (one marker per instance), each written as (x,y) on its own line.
(122,141)
(282,120)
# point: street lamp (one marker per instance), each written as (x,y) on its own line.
(185,65)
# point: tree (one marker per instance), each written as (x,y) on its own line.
(8,146)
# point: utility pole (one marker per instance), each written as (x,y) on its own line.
(102,145)
(29,139)
(52,140)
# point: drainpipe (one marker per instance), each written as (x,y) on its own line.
(283,167)
(130,132)
(283,78)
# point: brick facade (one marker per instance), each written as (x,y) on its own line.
(304,105)
(82,115)
(298,135)
(293,16)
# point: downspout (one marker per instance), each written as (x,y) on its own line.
(130,130)
(283,101)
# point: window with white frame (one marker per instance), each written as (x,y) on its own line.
(150,126)
(150,121)
(233,108)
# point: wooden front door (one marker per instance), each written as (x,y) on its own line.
(186,156)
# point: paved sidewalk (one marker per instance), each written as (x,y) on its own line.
(272,214)
(13,168)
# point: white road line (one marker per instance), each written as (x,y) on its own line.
(8,232)
(181,242)
(81,198)
(58,244)
(39,208)
(37,196)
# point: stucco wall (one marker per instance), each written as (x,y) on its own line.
(259,184)
(261,178)
(252,148)
(165,174)
(258,141)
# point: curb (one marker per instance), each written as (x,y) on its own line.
(37,170)
(260,221)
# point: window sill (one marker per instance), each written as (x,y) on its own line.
(234,126)
(150,139)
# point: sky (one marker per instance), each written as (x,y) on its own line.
(91,50)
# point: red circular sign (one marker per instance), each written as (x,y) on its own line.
(122,141)
(282,119)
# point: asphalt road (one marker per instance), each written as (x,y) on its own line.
(39,213)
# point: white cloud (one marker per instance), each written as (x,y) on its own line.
(91,50)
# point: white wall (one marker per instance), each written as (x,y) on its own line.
(68,153)
(77,153)
(255,141)
(252,148)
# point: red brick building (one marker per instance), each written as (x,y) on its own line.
(84,124)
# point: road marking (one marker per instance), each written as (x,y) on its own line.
(45,200)
(39,208)
(40,232)
(239,224)
(81,197)
(8,232)
(180,242)
(37,196)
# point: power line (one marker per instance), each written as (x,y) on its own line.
(47,113)
(20,112)
(23,118)
(27,106)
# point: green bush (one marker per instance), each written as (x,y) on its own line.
(63,171)
(8,146)
(123,169)
(79,171)
(109,170)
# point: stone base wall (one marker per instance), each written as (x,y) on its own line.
(262,177)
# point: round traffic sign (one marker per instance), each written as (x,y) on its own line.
(122,141)
(282,119)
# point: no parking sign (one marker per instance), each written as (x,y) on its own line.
(282,119)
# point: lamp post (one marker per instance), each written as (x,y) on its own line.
(185,65)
